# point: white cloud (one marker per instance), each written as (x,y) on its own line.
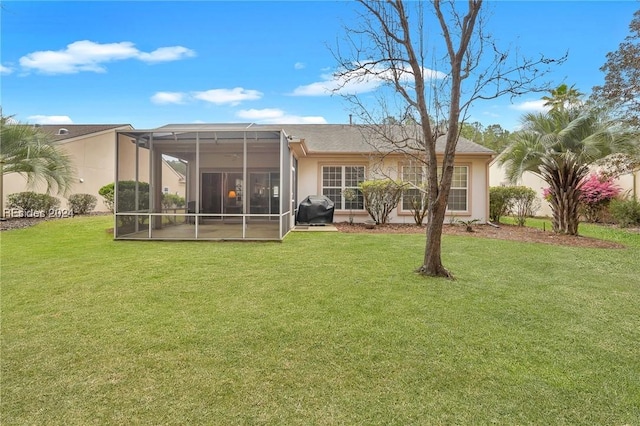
(166,54)
(5,70)
(260,114)
(86,55)
(278,116)
(358,82)
(163,98)
(299,65)
(228,96)
(215,96)
(49,119)
(530,106)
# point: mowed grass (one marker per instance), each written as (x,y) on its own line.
(323,328)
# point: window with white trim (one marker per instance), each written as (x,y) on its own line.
(335,179)
(416,176)
(412,196)
(458,191)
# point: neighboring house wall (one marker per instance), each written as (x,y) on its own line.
(93,158)
(498,178)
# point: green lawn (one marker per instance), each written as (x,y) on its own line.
(323,328)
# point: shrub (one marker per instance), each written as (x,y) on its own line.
(127,201)
(172,201)
(595,194)
(499,202)
(381,197)
(126,195)
(523,203)
(625,212)
(520,201)
(32,201)
(82,203)
(107,193)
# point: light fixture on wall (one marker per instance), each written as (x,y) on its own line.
(232,193)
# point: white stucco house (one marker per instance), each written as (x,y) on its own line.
(244,181)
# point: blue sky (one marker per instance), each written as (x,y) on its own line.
(153,63)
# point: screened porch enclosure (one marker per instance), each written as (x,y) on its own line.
(238,183)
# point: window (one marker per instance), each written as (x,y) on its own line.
(458,191)
(414,176)
(336,179)
(417,176)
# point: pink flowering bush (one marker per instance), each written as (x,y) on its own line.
(596,193)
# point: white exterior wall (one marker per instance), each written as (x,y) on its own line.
(310,183)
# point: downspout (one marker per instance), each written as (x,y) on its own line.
(487,172)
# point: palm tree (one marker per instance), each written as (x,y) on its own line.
(26,150)
(563,97)
(559,146)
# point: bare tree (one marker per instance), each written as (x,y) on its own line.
(437,61)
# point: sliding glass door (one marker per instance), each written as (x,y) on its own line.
(221,193)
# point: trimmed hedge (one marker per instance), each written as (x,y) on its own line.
(82,203)
(32,201)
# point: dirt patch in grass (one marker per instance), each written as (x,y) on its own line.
(503,232)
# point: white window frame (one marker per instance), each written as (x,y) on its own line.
(456,188)
(341,203)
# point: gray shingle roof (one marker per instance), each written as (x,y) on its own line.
(344,138)
(324,138)
(57,133)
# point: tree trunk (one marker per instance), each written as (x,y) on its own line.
(564,173)
(432,263)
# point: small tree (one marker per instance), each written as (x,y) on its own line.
(350,195)
(523,203)
(381,197)
(433,60)
(419,204)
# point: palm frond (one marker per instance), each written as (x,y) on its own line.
(26,150)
